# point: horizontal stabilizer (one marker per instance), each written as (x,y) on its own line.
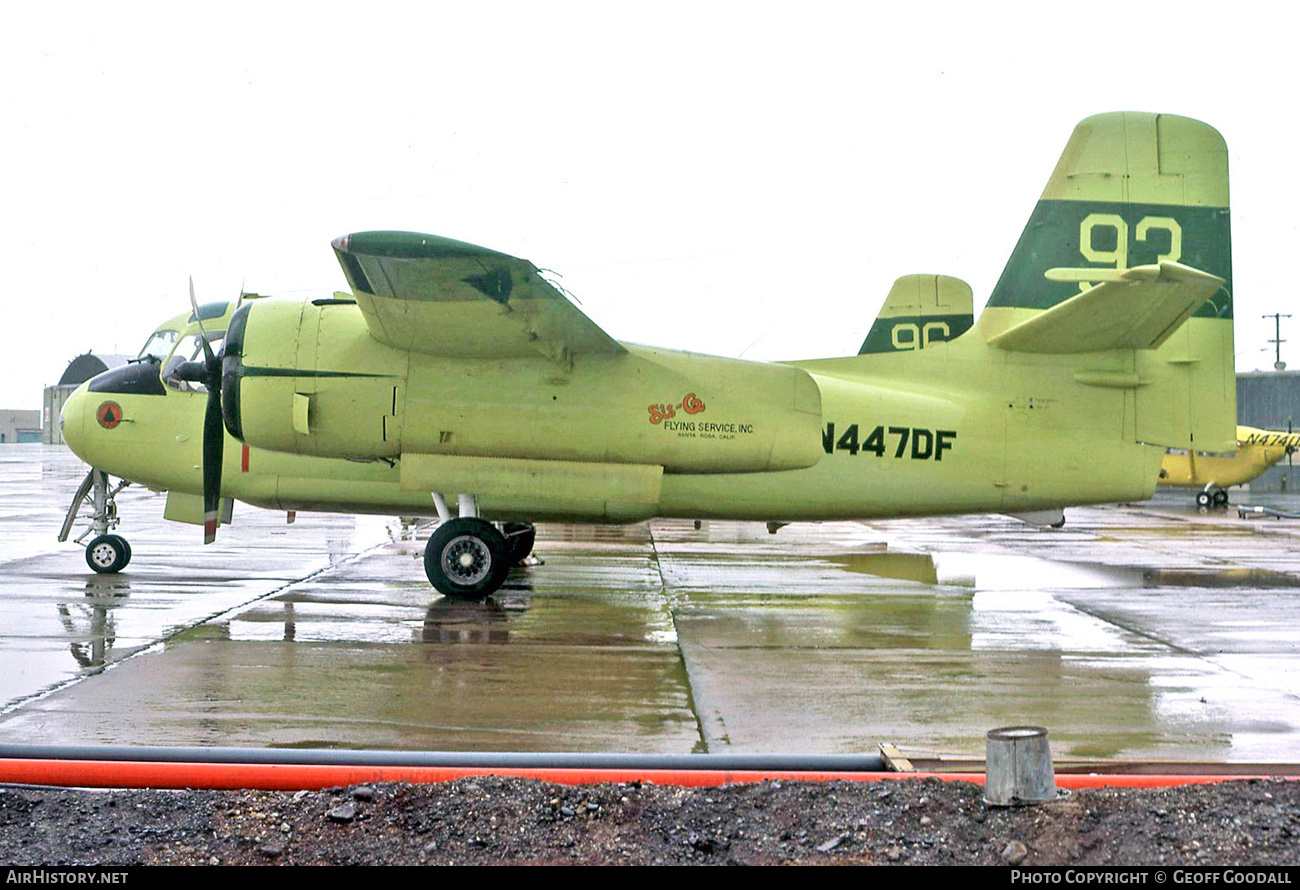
(1136,308)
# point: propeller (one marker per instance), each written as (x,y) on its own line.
(208,372)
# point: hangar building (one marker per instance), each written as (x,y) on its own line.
(81,369)
(1270,400)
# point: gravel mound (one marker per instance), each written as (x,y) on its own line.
(502,821)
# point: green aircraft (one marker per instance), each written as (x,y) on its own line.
(456,380)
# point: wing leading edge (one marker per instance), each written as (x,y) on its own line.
(449,298)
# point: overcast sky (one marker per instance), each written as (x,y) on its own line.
(734,178)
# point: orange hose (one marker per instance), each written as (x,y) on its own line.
(293,777)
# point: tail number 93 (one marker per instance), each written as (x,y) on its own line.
(1114,230)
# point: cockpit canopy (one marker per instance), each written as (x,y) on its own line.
(159,344)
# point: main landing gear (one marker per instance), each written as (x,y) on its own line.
(469,557)
(106,553)
(1212,496)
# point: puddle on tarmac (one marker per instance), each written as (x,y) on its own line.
(918,567)
(984,571)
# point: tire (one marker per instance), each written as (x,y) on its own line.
(107,554)
(519,541)
(466,558)
(1220,498)
(1203,499)
(126,546)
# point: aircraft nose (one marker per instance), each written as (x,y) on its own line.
(72,421)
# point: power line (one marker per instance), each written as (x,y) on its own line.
(1277,341)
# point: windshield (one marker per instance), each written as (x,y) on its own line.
(188,350)
(158,345)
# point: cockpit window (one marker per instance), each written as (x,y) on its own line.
(159,345)
(188,350)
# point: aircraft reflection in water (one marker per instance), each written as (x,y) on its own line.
(456,380)
(448,620)
(452,620)
(91,622)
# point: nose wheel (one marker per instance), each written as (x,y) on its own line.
(108,554)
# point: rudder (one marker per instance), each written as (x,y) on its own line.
(1135,189)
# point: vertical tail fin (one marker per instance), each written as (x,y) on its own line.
(920,310)
(1134,190)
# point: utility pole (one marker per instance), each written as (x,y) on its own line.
(1277,341)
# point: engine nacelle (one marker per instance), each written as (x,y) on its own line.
(308,379)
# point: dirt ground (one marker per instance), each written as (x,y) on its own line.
(502,821)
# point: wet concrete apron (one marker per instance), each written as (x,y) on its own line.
(1134,632)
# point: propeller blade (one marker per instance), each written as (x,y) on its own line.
(214,430)
(203,335)
(214,442)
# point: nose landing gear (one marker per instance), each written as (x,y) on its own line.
(106,553)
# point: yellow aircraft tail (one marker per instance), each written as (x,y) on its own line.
(1126,266)
(919,311)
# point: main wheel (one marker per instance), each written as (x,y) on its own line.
(108,554)
(519,541)
(466,558)
(1203,499)
(1220,498)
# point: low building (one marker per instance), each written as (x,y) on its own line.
(19,426)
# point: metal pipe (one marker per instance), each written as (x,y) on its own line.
(448,759)
(285,770)
(292,777)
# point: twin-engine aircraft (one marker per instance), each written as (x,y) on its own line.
(455,379)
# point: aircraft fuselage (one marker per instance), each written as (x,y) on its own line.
(957,427)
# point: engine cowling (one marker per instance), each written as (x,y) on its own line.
(306,378)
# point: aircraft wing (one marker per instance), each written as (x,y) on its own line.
(449,298)
(1137,308)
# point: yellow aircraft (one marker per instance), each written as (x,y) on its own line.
(456,380)
(1256,451)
